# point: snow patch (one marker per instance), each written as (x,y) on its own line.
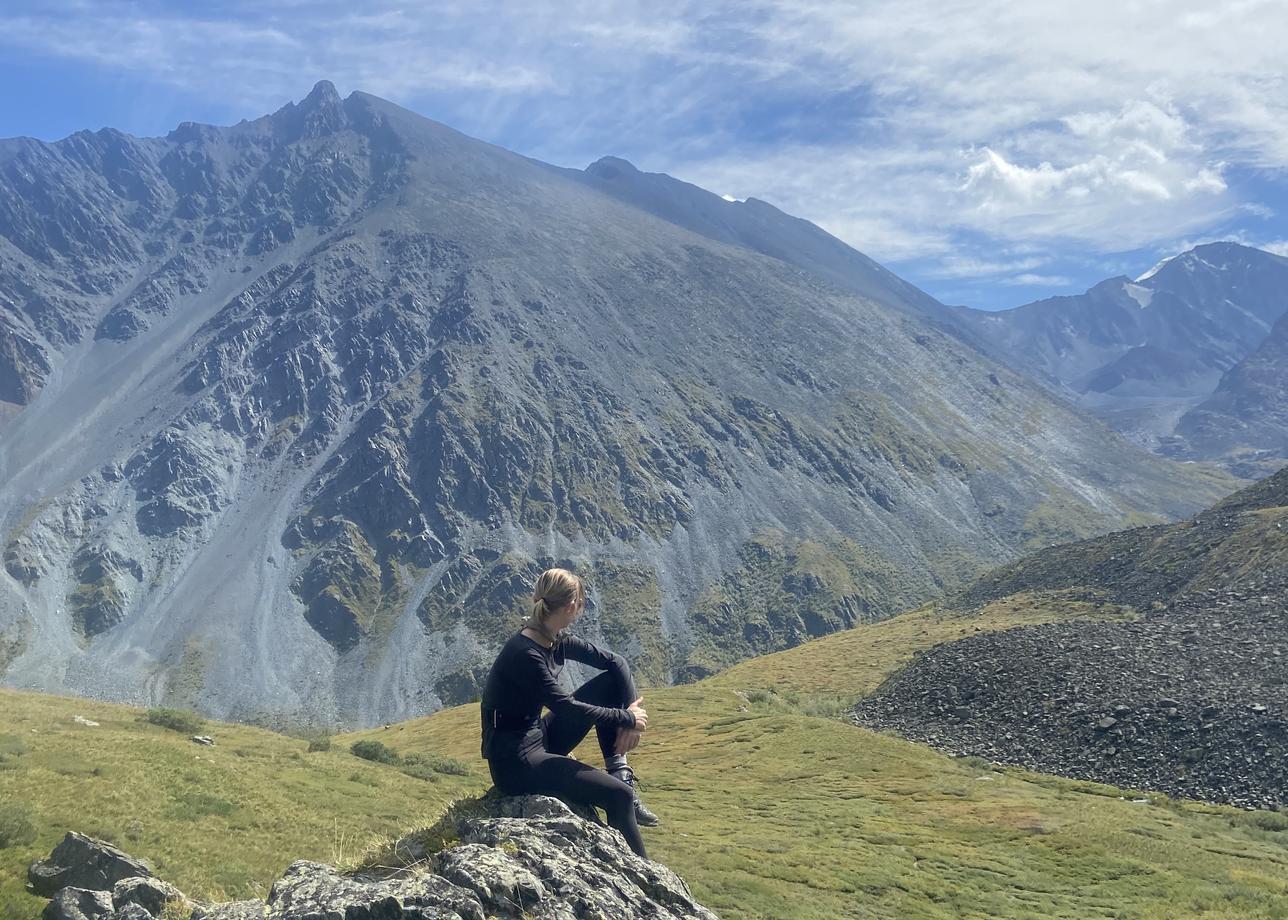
(1154,271)
(1142,295)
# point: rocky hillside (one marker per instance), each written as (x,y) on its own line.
(1142,353)
(298,408)
(1187,696)
(759,226)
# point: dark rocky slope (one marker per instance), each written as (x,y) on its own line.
(1190,698)
(309,401)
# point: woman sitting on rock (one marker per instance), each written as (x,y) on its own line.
(526,752)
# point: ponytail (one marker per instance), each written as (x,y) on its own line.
(556,588)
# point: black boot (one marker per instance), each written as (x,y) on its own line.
(643,816)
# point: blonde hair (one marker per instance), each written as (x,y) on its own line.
(555,588)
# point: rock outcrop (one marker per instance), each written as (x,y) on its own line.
(83,862)
(82,904)
(491,858)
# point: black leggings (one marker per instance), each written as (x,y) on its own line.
(549,771)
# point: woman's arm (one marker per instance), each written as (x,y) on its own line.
(561,702)
(578,649)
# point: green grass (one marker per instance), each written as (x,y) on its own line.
(771,808)
(219,822)
(17,825)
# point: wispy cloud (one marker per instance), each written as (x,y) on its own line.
(963,266)
(1028,279)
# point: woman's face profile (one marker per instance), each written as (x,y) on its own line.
(566,615)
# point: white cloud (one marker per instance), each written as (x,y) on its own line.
(963,266)
(1029,279)
(1207,180)
(1278,247)
(1023,105)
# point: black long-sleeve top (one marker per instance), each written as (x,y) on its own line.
(525,677)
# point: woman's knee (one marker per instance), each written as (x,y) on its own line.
(620,794)
(603,789)
(606,689)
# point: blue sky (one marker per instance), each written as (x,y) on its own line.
(991,152)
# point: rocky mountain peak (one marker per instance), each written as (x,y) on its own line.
(1216,255)
(1209,262)
(323,95)
(319,113)
(611,168)
(1142,352)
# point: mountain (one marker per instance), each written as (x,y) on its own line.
(1178,688)
(299,408)
(1141,353)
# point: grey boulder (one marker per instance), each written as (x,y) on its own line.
(133,912)
(313,891)
(149,893)
(83,862)
(79,904)
(491,858)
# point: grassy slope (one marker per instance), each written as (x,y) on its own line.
(220,821)
(768,811)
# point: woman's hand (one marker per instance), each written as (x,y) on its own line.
(641,717)
(628,739)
